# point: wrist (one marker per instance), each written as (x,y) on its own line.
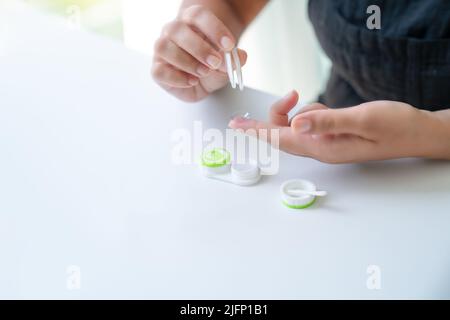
(436,142)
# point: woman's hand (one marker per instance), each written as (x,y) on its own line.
(371,131)
(188,57)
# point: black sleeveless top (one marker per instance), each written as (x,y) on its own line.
(407,60)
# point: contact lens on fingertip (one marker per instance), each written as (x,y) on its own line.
(241,115)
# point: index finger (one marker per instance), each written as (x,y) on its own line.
(278,136)
(279,111)
(211,26)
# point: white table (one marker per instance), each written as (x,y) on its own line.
(86,180)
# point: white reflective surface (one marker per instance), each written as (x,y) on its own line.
(89,206)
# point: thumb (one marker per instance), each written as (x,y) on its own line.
(242,56)
(330,121)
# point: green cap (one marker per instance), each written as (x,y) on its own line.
(216,158)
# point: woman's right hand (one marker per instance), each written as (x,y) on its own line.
(189,55)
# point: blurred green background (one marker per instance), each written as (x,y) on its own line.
(101,16)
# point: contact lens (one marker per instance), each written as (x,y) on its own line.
(241,115)
(216,157)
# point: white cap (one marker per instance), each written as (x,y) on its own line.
(301,201)
(245,174)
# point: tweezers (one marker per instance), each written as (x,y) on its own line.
(234,74)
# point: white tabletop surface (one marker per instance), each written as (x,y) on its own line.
(86,179)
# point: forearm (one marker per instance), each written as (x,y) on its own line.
(438,125)
(235,14)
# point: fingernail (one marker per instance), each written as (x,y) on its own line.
(304,125)
(240,114)
(288,95)
(240,119)
(227,43)
(202,70)
(213,61)
(193,81)
(239,123)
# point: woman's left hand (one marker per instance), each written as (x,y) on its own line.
(376,130)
